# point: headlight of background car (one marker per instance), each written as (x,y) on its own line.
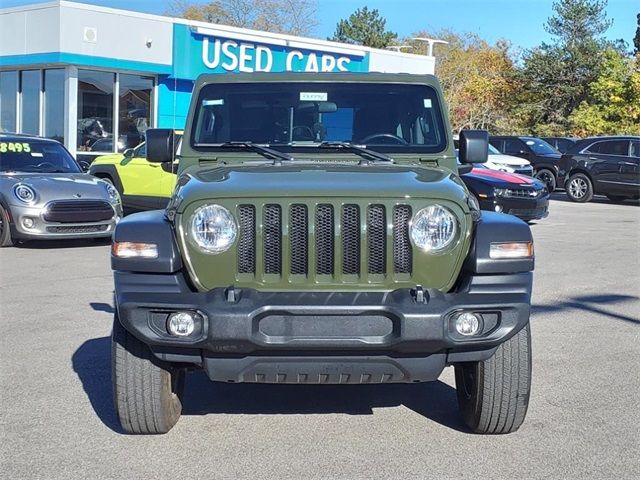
(112,191)
(500,192)
(213,228)
(434,228)
(25,193)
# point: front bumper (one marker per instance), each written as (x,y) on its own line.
(525,208)
(322,337)
(43,229)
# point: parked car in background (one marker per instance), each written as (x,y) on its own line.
(143,185)
(602,165)
(505,163)
(542,156)
(44,194)
(519,195)
(562,144)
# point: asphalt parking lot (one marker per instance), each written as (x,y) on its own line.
(57,419)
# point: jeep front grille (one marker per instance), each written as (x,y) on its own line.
(327,241)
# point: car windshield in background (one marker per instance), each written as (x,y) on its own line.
(386,117)
(35,156)
(540,147)
(493,150)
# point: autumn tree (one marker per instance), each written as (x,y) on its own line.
(557,75)
(364,27)
(613,106)
(295,17)
(478,79)
(636,39)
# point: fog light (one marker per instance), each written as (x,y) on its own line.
(468,324)
(28,222)
(498,208)
(181,324)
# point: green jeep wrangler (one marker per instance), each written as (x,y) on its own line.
(319,233)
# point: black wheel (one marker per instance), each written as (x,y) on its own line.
(545,175)
(5,230)
(617,198)
(579,188)
(493,395)
(147,393)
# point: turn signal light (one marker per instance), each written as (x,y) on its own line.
(511,250)
(134,250)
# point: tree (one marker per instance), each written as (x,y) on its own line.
(479,79)
(613,107)
(364,27)
(556,76)
(295,17)
(636,40)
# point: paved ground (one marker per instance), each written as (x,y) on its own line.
(57,419)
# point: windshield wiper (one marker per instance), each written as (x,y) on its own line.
(363,152)
(264,151)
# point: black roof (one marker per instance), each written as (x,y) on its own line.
(585,142)
(22,136)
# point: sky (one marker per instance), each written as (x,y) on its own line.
(519,21)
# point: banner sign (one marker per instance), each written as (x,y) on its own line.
(195,53)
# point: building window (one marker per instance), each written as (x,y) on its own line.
(95,111)
(54,104)
(8,103)
(30,101)
(135,109)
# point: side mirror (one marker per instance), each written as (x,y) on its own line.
(464,168)
(84,165)
(474,146)
(128,153)
(160,145)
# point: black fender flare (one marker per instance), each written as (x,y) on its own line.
(110,171)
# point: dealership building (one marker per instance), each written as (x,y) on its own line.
(87,75)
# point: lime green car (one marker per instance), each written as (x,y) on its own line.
(143,185)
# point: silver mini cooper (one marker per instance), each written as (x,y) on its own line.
(45,195)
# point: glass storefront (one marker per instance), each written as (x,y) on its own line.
(8,100)
(54,104)
(136,97)
(30,101)
(95,111)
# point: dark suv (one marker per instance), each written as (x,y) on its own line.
(562,144)
(542,156)
(602,165)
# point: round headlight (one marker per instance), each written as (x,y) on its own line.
(213,228)
(434,228)
(112,191)
(24,193)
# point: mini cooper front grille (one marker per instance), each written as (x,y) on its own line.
(326,239)
(77,211)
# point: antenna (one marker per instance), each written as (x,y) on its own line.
(431,42)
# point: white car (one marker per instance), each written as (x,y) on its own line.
(508,163)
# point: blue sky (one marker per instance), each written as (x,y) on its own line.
(520,21)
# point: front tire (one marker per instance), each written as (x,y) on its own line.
(493,394)
(579,188)
(147,393)
(547,177)
(5,229)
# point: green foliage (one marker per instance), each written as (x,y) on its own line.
(613,106)
(364,27)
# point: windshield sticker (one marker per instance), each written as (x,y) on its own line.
(530,142)
(313,96)
(36,154)
(14,147)
(214,102)
(427,103)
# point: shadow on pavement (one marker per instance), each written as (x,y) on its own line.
(436,400)
(592,304)
(70,243)
(101,307)
(562,197)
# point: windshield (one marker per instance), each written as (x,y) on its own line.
(493,150)
(386,117)
(36,156)
(539,147)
